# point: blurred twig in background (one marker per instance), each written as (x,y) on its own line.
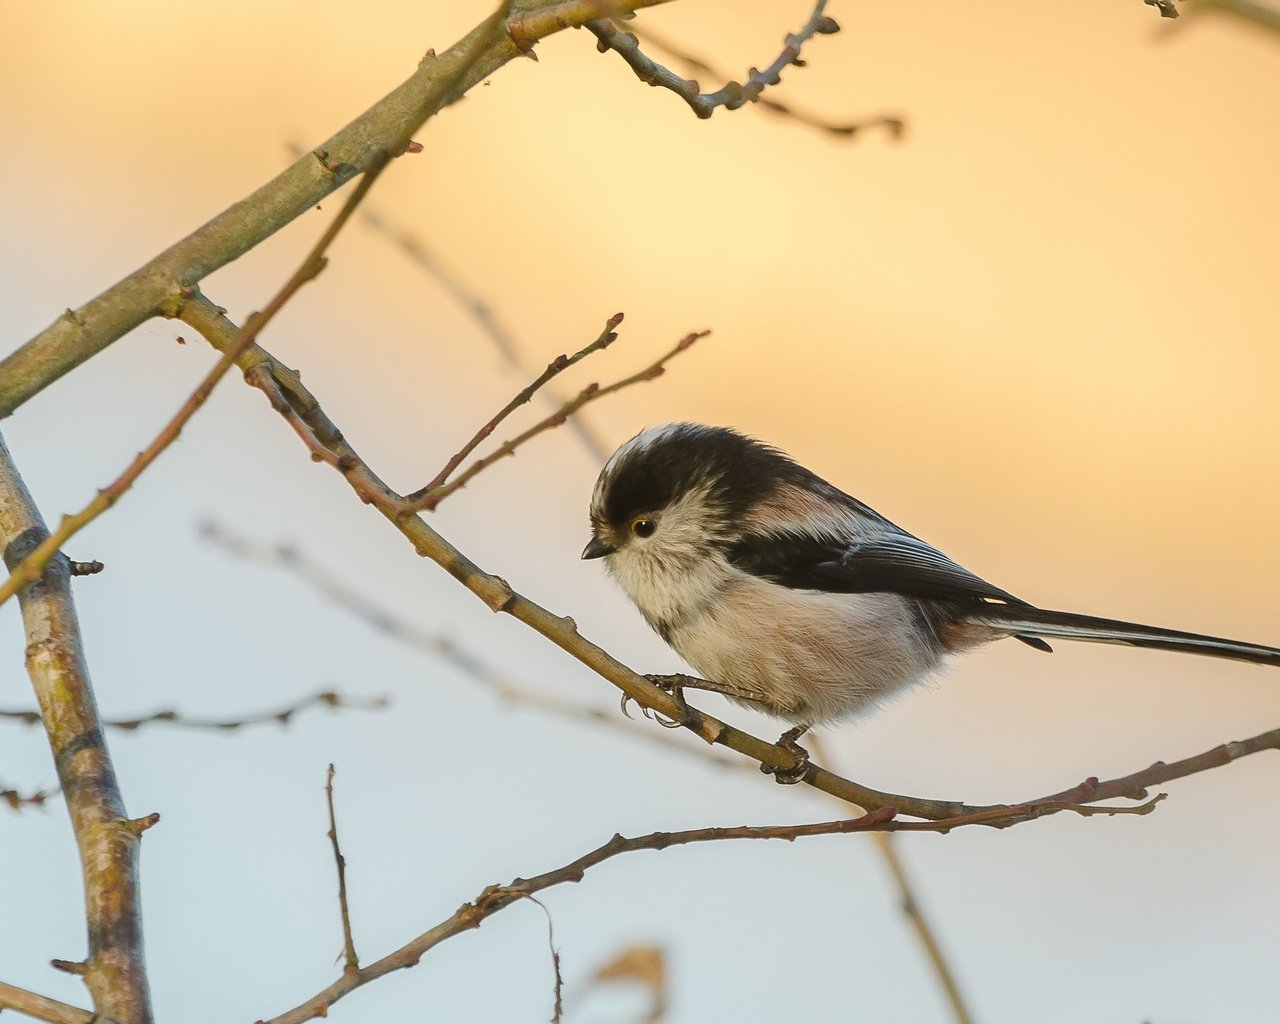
(169,716)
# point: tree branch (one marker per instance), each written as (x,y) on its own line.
(43,1008)
(160,287)
(496,897)
(490,678)
(563,632)
(108,841)
(29,568)
(734,94)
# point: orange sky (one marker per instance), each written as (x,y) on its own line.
(1039,332)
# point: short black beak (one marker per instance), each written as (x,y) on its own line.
(597,549)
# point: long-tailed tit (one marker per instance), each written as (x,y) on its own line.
(791,596)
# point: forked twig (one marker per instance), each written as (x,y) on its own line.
(557,366)
(428,498)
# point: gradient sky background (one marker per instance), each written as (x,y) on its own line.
(1039,332)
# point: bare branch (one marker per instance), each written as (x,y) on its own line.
(893,124)
(563,632)
(428,498)
(108,841)
(30,567)
(557,366)
(496,897)
(160,287)
(351,962)
(734,94)
(170,716)
(43,1008)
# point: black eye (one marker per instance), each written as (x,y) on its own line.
(643,526)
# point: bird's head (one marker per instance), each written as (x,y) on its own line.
(680,493)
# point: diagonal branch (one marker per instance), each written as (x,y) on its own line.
(160,287)
(733,94)
(108,841)
(496,897)
(30,567)
(429,497)
(563,632)
(40,1007)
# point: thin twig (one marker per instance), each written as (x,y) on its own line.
(892,124)
(733,94)
(351,962)
(170,716)
(557,1010)
(29,568)
(107,839)
(428,498)
(557,366)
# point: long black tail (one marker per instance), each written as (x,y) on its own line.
(1024,619)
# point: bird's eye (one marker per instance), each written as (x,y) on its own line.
(643,526)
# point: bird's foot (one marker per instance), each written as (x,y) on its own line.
(798,771)
(673,685)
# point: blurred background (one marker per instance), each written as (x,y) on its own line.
(1039,332)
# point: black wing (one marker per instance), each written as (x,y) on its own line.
(894,563)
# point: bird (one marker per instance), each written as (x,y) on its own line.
(797,599)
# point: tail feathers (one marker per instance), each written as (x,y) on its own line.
(1041,622)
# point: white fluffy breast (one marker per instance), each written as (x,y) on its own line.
(815,657)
